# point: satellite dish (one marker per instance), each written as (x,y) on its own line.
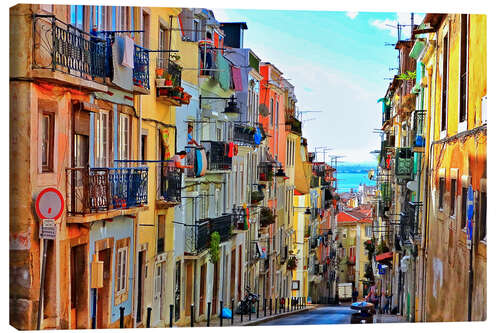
(263,110)
(412,185)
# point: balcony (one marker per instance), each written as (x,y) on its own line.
(244,134)
(264,266)
(169,187)
(293,125)
(418,135)
(386,191)
(267,217)
(265,172)
(197,237)
(217,155)
(93,191)
(61,48)
(168,82)
(404,163)
(314,181)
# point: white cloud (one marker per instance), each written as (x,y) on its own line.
(403,19)
(352,15)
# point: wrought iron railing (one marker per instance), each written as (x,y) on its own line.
(293,125)
(169,184)
(141,67)
(223,225)
(314,181)
(197,236)
(418,136)
(265,172)
(90,190)
(244,134)
(65,48)
(264,266)
(172,69)
(217,155)
(404,163)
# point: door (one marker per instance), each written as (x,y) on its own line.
(162,289)
(215,288)
(240,275)
(158,293)
(140,286)
(79,295)
(103,294)
(203,278)
(189,288)
(177,290)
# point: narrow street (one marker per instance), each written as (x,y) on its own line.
(321,316)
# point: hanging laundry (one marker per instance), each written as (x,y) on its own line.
(231,149)
(122,75)
(128,52)
(257,137)
(238,85)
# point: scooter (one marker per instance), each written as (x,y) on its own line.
(246,304)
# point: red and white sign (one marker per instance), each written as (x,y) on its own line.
(49,204)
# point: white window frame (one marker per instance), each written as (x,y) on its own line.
(445,130)
(462,125)
(102,148)
(122,273)
(124,130)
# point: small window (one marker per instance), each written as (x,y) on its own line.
(271,113)
(121,272)
(368,231)
(444,88)
(144,147)
(463,221)
(124,132)
(441,193)
(277,112)
(452,196)
(47,141)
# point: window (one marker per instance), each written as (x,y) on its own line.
(47,141)
(163,40)
(102,139)
(160,245)
(96,18)
(124,137)
(277,112)
(441,193)
(121,270)
(145,26)
(196,30)
(482,215)
(464,42)
(463,222)
(453,192)
(271,113)
(144,148)
(368,231)
(76,16)
(444,88)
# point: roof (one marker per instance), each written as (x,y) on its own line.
(354,216)
(243,25)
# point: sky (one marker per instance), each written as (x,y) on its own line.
(338,63)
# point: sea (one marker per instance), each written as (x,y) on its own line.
(352,180)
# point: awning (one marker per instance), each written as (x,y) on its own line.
(383,256)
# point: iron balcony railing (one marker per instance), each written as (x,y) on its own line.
(169,184)
(65,48)
(217,155)
(197,236)
(244,134)
(404,163)
(293,125)
(171,69)
(91,190)
(418,136)
(314,181)
(141,67)
(264,265)
(265,172)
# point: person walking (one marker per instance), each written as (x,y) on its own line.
(387,306)
(354,295)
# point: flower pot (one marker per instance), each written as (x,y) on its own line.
(168,83)
(160,82)
(159,72)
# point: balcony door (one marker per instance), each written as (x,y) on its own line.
(80,156)
(102,139)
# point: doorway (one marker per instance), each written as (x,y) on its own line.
(215,288)
(103,294)
(233,272)
(79,294)
(203,278)
(140,285)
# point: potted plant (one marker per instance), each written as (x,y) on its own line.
(256,196)
(159,72)
(186,98)
(291,263)
(168,80)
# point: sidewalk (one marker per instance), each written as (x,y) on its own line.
(387,318)
(215,320)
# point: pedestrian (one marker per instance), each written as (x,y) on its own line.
(387,306)
(354,295)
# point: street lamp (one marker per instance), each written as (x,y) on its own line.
(231,108)
(307,212)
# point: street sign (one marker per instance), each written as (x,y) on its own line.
(470,215)
(48,229)
(49,204)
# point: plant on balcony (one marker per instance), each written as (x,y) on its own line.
(186,98)
(175,57)
(214,247)
(291,263)
(381,247)
(266,217)
(159,72)
(256,196)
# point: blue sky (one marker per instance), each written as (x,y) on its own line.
(337,62)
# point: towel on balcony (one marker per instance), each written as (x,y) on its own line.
(128,52)
(238,85)
(122,76)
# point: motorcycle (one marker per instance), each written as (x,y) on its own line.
(245,305)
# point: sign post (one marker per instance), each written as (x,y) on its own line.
(49,207)
(470,238)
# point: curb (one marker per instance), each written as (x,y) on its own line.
(278,316)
